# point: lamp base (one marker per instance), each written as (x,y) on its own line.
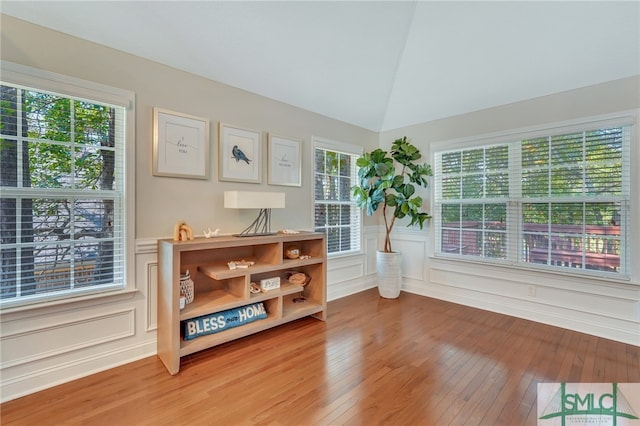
(260,227)
(257,234)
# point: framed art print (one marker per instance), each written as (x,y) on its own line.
(180,145)
(284,161)
(239,155)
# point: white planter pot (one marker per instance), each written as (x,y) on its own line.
(389,274)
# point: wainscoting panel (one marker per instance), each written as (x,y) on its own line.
(355,273)
(151,281)
(344,275)
(579,320)
(53,345)
(49,345)
(48,340)
(415,245)
(548,293)
(370,246)
(343,269)
(147,277)
(602,308)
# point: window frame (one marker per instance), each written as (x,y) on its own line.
(629,118)
(45,81)
(354,151)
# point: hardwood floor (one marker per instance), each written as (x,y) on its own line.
(412,361)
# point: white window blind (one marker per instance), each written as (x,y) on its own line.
(558,201)
(335,213)
(62,195)
(473,188)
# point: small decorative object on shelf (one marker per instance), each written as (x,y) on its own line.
(288,231)
(240,264)
(270,283)
(182,231)
(255,288)
(305,256)
(186,287)
(292,252)
(208,233)
(297,278)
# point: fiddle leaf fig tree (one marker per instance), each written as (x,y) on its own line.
(383,183)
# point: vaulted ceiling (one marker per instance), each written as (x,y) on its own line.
(380,64)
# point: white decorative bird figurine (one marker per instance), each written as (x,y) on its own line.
(208,233)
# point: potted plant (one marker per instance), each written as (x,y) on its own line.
(388,180)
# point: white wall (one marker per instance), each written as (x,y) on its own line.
(46,346)
(599,307)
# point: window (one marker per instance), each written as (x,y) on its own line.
(62,192)
(558,200)
(335,213)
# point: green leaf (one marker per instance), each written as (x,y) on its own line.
(408,190)
(382,169)
(372,206)
(363,161)
(391,200)
(378,155)
(377,196)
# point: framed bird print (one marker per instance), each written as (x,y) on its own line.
(284,161)
(239,154)
(180,145)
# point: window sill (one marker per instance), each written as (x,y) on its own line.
(345,255)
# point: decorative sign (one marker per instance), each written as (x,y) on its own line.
(270,283)
(214,323)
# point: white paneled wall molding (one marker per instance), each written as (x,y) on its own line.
(598,307)
(75,334)
(83,340)
(43,347)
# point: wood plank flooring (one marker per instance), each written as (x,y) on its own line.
(412,361)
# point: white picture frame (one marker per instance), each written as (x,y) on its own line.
(239,154)
(285,158)
(180,145)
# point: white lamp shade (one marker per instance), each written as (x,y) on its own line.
(253,200)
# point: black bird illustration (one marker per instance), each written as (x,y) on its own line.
(239,155)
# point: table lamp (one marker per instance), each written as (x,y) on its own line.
(265,201)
